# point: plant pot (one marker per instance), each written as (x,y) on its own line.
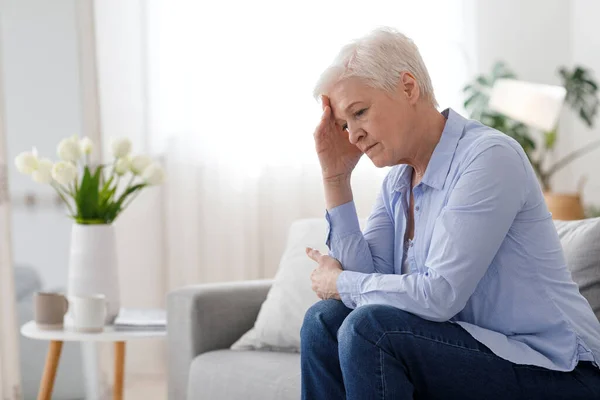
(93,265)
(564,206)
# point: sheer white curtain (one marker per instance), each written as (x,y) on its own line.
(229,89)
(10,381)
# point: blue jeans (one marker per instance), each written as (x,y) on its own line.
(381,352)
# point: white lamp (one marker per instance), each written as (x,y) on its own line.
(533,104)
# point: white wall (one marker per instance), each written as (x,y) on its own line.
(585,42)
(532,36)
(535,38)
(42,106)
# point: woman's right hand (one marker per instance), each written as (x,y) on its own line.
(337,155)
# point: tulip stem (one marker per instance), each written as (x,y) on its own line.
(62,196)
(128,201)
(129,183)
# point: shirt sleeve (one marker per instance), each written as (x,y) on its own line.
(368,252)
(466,237)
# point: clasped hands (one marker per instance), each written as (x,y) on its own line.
(324,277)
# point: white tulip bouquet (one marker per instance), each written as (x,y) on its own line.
(92,194)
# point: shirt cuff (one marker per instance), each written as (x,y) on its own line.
(348,284)
(342,221)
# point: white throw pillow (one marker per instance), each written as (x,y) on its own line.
(278,324)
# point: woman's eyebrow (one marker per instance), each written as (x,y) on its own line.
(350,106)
(342,122)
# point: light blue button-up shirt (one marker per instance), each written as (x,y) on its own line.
(485,254)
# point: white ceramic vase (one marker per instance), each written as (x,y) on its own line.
(93,265)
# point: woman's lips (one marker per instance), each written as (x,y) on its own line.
(370,147)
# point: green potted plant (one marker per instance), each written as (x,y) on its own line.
(581,98)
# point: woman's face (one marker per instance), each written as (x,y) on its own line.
(380,124)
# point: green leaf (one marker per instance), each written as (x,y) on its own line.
(482,80)
(107,184)
(582,91)
(131,190)
(87,196)
(501,70)
(114,208)
(585,117)
(106,201)
(470,100)
(550,139)
(592,85)
(477,91)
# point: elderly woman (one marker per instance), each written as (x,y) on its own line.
(457,288)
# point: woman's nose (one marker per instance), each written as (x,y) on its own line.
(355,133)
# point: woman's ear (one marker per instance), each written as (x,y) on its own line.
(409,87)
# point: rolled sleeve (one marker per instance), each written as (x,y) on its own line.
(348,286)
(343,221)
(369,252)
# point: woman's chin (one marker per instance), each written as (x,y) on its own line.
(378,161)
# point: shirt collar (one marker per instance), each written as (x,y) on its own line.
(439,164)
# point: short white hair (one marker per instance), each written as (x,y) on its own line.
(378,58)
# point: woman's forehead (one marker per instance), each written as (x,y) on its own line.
(346,92)
(349,87)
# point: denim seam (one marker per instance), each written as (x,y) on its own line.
(382,373)
(436,341)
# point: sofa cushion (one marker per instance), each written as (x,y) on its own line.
(277,326)
(581,245)
(249,375)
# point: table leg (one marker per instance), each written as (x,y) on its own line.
(119,370)
(50,368)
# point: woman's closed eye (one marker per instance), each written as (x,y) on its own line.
(357,114)
(360,112)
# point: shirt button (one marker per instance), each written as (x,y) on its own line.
(417,208)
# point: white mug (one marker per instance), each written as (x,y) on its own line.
(88,312)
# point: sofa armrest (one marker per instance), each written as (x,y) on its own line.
(207,317)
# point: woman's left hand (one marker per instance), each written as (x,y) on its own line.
(324,277)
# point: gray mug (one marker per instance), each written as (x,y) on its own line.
(49,310)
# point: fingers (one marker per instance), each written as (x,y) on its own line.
(324,124)
(326,105)
(325,102)
(326,114)
(314,254)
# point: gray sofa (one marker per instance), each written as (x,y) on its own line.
(205,320)
(202,323)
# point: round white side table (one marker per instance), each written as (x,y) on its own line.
(110,334)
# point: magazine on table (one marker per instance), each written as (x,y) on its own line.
(147,318)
